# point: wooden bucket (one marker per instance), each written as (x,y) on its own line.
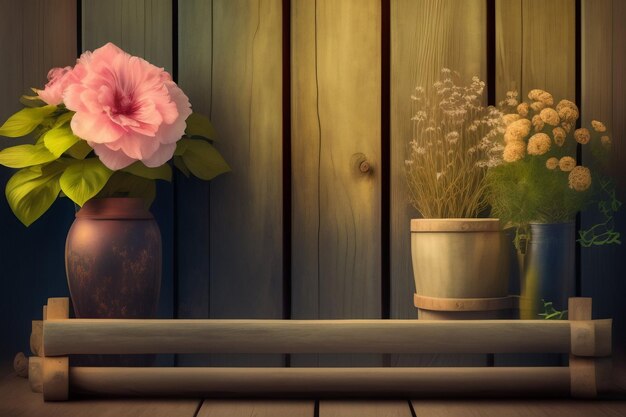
(461,269)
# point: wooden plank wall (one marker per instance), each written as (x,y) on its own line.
(224,240)
(535,48)
(35,35)
(603,94)
(426,36)
(143,28)
(336,99)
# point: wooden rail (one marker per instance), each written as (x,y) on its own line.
(587,341)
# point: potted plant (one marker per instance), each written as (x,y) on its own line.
(457,256)
(102,132)
(537,187)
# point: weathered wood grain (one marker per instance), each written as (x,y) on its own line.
(142,28)
(336,101)
(535,47)
(88,336)
(264,408)
(246,268)
(603,89)
(195,66)
(332,408)
(17,400)
(35,36)
(425,37)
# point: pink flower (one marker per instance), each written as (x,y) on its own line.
(58,81)
(126,108)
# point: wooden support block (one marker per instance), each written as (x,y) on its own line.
(58,308)
(45,313)
(20,365)
(55,376)
(591,337)
(35,373)
(588,375)
(36,338)
(55,379)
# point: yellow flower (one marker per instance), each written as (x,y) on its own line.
(522,109)
(510,118)
(605,140)
(550,116)
(514,151)
(538,144)
(519,128)
(538,122)
(598,126)
(542,96)
(582,135)
(567,126)
(537,105)
(559,135)
(509,137)
(568,111)
(567,163)
(552,163)
(579,178)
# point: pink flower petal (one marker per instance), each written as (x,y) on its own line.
(111,159)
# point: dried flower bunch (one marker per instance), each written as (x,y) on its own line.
(538,178)
(455,140)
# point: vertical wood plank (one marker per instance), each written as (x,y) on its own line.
(246,204)
(336,77)
(603,65)
(142,28)
(35,35)
(195,53)
(425,37)
(535,48)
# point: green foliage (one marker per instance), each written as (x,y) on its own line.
(58,163)
(526,191)
(31,191)
(550,313)
(164,172)
(59,139)
(25,121)
(83,179)
(201,158)
(22,156)
(199,125)
(603,233)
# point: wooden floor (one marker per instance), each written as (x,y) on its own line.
(17,400)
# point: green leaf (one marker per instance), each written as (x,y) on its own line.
(25,121)
(181,147)
(64,118)
(180,164)
(203,160)
(82,180)
(80,150)
(22,156)
(164,172)
(199,125)
(59,140)
(32,101)
(123,184)
(30,192)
